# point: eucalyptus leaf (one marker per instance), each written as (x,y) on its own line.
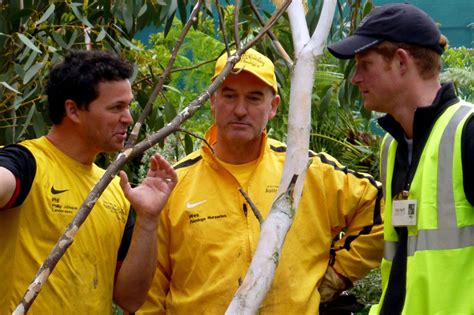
(8,86)
(59,40)
(46,14)
(80,17)
(127,43)
(28,43)
(32,72)
(142,10)
(26,123)
(101,35)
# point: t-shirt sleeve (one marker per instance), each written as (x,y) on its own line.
(127,237)
(21,162)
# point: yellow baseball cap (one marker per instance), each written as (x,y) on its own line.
(254,62)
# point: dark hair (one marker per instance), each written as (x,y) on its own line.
(78,76)
(428,62)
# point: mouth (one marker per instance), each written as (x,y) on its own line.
(121,135)
(239,123)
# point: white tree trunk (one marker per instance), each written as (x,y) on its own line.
(260,274)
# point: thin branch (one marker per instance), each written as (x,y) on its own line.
(196,136)
(274,39)
(222,25)
(236,24)
(252,206)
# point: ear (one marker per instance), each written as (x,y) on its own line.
(275,103)
(403,60)
(71,110)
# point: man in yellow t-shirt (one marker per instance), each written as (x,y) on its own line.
(44,181)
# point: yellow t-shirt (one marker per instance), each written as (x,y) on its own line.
(241,172)
(83,280)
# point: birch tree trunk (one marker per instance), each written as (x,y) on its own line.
(308,49)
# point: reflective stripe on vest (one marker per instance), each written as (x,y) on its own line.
(448,235)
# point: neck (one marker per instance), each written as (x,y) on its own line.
(237,153)
(419,94)
(71,144)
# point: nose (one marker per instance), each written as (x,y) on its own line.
(356,77)
(240,108)
(126,117)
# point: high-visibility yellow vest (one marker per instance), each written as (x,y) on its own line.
(440,263)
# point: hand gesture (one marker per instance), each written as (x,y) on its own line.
(149,198)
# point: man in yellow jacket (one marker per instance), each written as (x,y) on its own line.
(426,162)
(208,232)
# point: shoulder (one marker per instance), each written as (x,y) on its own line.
(188,161)
(331,165)
(18,159)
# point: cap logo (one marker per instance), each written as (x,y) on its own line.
(255,61)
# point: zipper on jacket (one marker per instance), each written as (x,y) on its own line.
(245,209)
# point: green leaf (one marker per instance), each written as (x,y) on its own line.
(26,123)
(325,101)
(142,10)
(46,14)
(170,111)
(39,125)
(28,43)
(72,39)
(59,40)
(127,16)
(101,35)
(32,72)
(8,86)
(31,60)
(188,144)
(127,43)
(79,15)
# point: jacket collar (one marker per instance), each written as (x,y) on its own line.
(424,116)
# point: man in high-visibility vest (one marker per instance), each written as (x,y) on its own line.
(426,162)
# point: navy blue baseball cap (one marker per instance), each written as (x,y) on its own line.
(402,23)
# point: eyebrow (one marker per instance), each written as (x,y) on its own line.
(229,89)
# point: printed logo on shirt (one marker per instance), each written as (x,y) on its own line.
(197,218)
(60,207)
(57,191)
(117,210)
(190,205)
(271,189)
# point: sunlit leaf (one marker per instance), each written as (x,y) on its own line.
(101,35)
(28,43)
(8,86)
(79,15)
(46,14)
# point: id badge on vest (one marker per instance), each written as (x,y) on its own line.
(403,211)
